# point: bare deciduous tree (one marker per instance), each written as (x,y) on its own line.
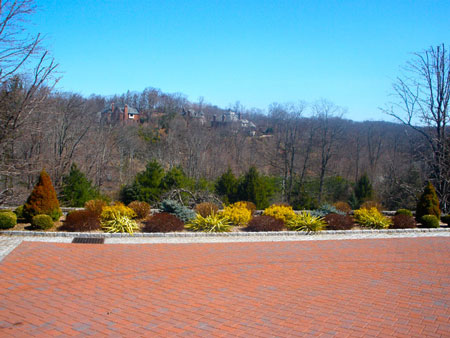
(422,98)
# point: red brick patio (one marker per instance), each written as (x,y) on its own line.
(373,287)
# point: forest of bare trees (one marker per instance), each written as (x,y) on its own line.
(310,148)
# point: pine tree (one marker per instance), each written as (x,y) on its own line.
(363,191)
(42,199)
(251,189)
(226,187)
(428,203)
(77,189)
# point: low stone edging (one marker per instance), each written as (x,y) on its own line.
(217,234)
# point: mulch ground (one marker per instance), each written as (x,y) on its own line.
(372,287)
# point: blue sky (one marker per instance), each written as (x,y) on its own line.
(256,52)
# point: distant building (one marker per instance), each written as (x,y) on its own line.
(193,114)
(231,118)
(119,114)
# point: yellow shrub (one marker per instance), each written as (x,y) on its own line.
(281,212)
(114,211)
(371,218)
(237,213)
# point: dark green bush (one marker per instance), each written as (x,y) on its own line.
(42,222)
(163,222)
(265,223)
(404,212)
(446,219)
(8,219)
(77,189)
(428,203)
(429,221)
(403,221)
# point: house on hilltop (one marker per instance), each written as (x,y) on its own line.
(231,118)
(120,114)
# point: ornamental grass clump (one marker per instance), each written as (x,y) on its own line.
(163,222)
(116,210)
(371,218)
(120,223)
(237,213)
(281,212)
(265,223)
(211,223)
(42,200)
(8,219)
(304,221)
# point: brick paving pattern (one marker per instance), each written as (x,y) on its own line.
(369,287)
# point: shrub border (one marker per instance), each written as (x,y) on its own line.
(220,234)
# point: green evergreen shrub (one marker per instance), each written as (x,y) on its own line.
(42,200)
(362,192)
(77,189)
(326,209)
(404,212)
(19,212)
(226,187)
(253,188)
(42,222)
(177,209)
(428,203)
(429,221)
(8,219)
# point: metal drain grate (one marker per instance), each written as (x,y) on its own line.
(88,240)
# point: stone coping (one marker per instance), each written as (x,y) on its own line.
(219,234)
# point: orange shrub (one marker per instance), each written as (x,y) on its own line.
(42,200)
(142,209)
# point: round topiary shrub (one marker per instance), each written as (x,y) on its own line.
(428,203)
(429,221)
(81,220)
(42,222)
(265,223)
(163,222)
(206,209)
(142,209)
(19,212)
(42,200)
(339,222)
(403,221)
(8,219)
(404,212)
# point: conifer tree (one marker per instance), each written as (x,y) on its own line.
(42,199)
(363,191)
(226,187)
(428,203)
(251,189)
(77,189)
